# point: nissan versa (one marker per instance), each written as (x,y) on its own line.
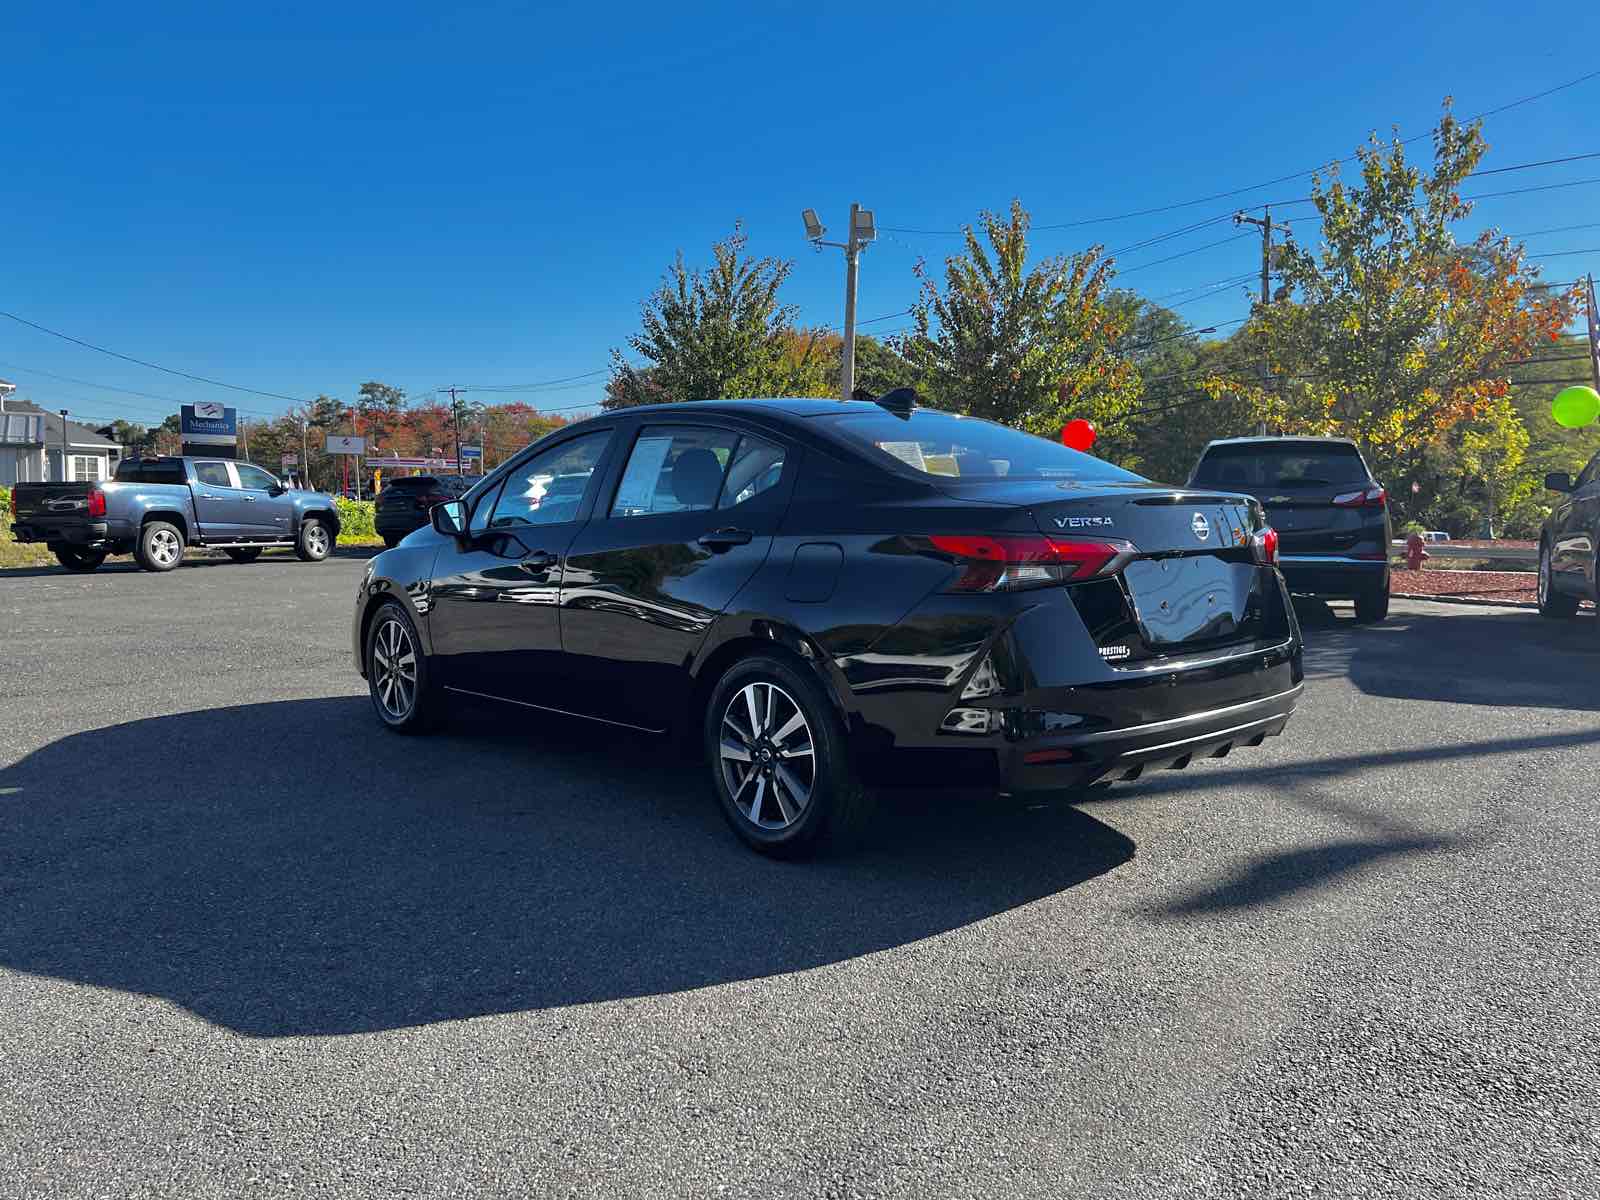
(825,591)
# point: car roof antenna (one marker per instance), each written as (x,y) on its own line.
(900,401)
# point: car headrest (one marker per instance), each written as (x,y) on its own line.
(696,476)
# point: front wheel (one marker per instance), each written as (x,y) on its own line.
(779,767)
(160,546)
(315,542)
(78,561)
(399,676)
(1553,604)
(243,554)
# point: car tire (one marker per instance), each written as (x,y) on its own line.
(78,561)
(390,541)
(160,546)
(1553,604)
(403,693)
(243,554)
(792,795)
(1372,606)
(315,542)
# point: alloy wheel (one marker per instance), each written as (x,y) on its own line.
(165,547)
(1544,575)
(768,755)
(394,669)
(317,539)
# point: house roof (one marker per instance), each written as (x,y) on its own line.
(79,436)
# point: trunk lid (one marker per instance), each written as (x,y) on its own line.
(44,502)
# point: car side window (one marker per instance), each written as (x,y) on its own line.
(213,474)
(483,509)
(253,477)
(674,469)
(548,489)
(755,470)
(1589,474)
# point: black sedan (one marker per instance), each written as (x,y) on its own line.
(828,594)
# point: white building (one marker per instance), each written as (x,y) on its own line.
(30,446)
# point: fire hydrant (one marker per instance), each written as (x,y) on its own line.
(1415,552)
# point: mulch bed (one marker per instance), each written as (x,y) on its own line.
(1482,585)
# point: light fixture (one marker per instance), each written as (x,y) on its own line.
(866,228)
(814,227)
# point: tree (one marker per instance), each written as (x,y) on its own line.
(127,434)
(1394,333)
(379,407)
(706,334)
(1029,348)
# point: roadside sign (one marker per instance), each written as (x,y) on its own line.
(346,445)
(472,454)
(290,460)
(208,424)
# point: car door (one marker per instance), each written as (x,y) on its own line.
(216,500)
(691,518)
(1572,556)
(494,617)
(268,511)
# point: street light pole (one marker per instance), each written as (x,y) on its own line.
(863,231)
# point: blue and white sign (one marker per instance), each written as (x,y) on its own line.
(472,454)
(209,424)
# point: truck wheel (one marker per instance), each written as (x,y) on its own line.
(243,554)
(315,542)
(82,561)
(160,546)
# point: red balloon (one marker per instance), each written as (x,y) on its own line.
(1077,434)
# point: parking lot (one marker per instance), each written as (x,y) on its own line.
(251,944)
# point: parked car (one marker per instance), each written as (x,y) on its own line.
(1331,515)
(1569,542)
(1435,537)
(820,609)
(402,505)
(155,507)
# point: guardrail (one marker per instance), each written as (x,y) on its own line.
(1446,550)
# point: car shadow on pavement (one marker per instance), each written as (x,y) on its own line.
(291,869)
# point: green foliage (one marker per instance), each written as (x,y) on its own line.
(1032,348)
(720,332)
(355,519)
(5,501)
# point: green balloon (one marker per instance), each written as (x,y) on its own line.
(1576,407)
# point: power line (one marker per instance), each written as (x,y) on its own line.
(67,337)
(1557,229)
(1183,254)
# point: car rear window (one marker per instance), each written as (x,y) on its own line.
(134,470)
(1284,464)
(943,444)
(412,483)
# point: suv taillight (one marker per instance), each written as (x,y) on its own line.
(1372,497)
(1009,562)
(1265,542)
(97,502)
(433,498)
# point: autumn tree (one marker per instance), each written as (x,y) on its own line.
(1029,347)
(1393,332)
(717,332)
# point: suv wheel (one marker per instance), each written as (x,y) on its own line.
(398,672)
(315,542)
(160,546)
(1552,603)
(779,768)
(1372,606)
(81,561)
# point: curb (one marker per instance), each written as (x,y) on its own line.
(1472,600)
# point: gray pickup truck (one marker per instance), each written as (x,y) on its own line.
(155,507)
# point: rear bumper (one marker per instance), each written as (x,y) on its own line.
(398,524)
(1333,574)
(90,534)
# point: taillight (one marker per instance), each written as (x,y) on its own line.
(97,502)
(1372,497)
(1008,562)
(1265,542)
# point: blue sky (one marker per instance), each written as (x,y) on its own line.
(298,197)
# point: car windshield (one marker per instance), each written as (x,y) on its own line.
(943,444)
(1281,465)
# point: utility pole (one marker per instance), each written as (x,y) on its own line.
(863,231)
(305,452)
(1265,223)
(455,420)
(64,472)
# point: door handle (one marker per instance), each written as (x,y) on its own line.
(722,539)
(248,499)
(538,562)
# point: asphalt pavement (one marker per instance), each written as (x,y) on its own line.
(253,945)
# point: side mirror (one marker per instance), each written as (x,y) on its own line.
(449,518)
(276,489)
(1558,481)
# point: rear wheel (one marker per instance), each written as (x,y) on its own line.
(74,559)
(779,767)
(398,674)
(160,546)
(1552,603)
(243,554)
(390,541)
(1372,606)
(315,542)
